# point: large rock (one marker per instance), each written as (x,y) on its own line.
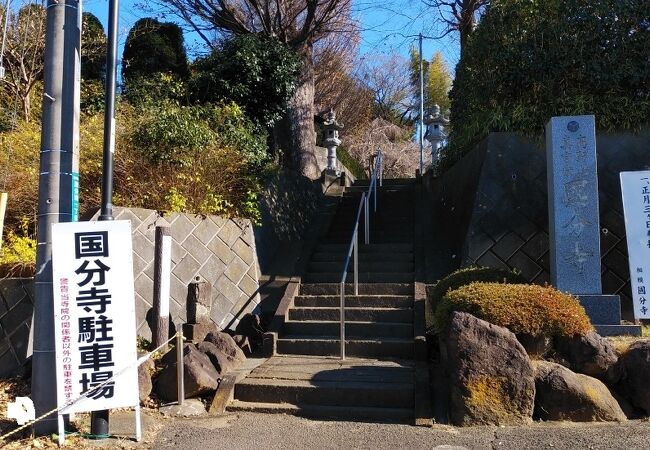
(591,355)
(491,377)
(226,344)
(565,395)
(636,366)
(145,385)
(200,377)
(221,361)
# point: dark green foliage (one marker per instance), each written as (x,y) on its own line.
(259,73)
(93,48)
(354,166)
(153,47)
(155,89)
(465,276)
(530,60)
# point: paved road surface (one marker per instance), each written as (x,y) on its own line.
(276,431)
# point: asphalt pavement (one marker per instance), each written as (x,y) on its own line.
(278,431)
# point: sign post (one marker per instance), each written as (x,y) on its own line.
(94,318)
(635,187)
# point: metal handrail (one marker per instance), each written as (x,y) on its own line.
(353,249)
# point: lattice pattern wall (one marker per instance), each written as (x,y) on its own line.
(508,226)
(16,307)
(221,251)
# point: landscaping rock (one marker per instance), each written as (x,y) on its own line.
(565,395)
(226,344)
(491,377)
(196,332)
(221,361)
(537,346)
(590,355)
(636,365)
(201,377)
(145,385)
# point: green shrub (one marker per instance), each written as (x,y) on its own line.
(529,60)
(462,277)
(92,96)
(17,256)
(172,134)
(522,308)
(350,163)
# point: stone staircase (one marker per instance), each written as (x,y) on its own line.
(377,381)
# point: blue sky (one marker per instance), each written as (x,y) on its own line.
(388,26)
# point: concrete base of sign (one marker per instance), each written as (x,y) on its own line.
(191,407)
(604,311)
(618,330)
(122,425)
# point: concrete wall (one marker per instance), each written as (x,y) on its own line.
(494,206)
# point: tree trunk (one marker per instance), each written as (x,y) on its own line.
(27,107)
(295,133)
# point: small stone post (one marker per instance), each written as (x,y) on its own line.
(199,305)
(331,140)
(435,134)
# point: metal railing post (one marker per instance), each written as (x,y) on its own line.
(375,194)
(367,221)
(180,366)
(356,260)
(342,319)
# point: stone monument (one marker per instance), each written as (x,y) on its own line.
(331,141)
(574,225)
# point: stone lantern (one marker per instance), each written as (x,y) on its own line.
(331,139)
(435,134)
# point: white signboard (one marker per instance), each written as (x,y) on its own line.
(94,314)
(635,187)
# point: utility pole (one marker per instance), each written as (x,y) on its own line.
(58,186)
(421,139)
(99,419)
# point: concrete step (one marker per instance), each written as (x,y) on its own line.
(355,189)
(325,393)
(364,348)
(364,277)
(364,266)
(352,329)
(340,257)
(363,257)
(381,414)
(364,288)
(354,301)
(344,240)
(370,248)
(388,182)
(394,315)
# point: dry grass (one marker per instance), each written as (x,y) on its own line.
(623,343)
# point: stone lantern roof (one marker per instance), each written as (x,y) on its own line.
(330,121)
